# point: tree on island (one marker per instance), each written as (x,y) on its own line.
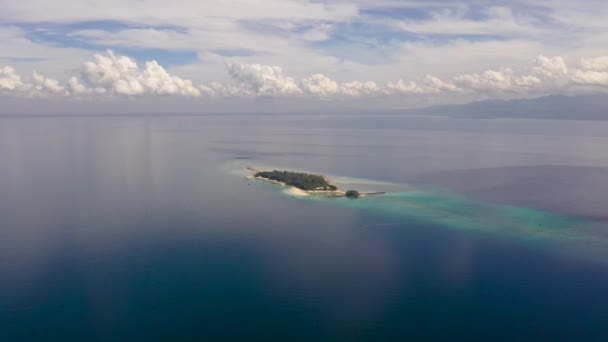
(352,194)
(304,181)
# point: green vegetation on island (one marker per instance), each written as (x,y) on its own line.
(303,181)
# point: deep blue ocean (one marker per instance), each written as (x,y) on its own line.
(145,228)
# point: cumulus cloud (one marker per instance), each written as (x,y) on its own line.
(43,85)
(76,87)
(429,85)
(546,73)
(9,80)
(110,73)
(403,87)
(39,84)
(322,86)
(206,90)
(264,80)
(158,81)
(591,78)
(487,80)
(319,84)
(307,36)
(592,72)
(550,67)
(356,88)
(436,85)
(595,64)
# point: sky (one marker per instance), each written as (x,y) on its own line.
(247,54)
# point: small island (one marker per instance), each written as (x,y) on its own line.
(304,184)
(302,181)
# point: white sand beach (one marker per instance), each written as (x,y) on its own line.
(293,191)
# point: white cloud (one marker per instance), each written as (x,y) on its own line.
(264,80)
(160,82)
(9,80)
(319,84)
(403,87)
(595,64)
(591,78)
(527,81)
(431,82)
(280,32)
(550,67)
(323,86)
(359,46)
(206,90)
(592,72)
(39,85)
(112,74)
(547,73)
(429,85)
(43,85)
(357,88)
(487,80)
(76,87)
(229,90)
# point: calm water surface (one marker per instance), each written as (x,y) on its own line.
(137,228)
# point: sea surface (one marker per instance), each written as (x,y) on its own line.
(145,228)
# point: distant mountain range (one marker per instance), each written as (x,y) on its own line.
(558,107)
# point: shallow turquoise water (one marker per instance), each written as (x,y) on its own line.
(568,235)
